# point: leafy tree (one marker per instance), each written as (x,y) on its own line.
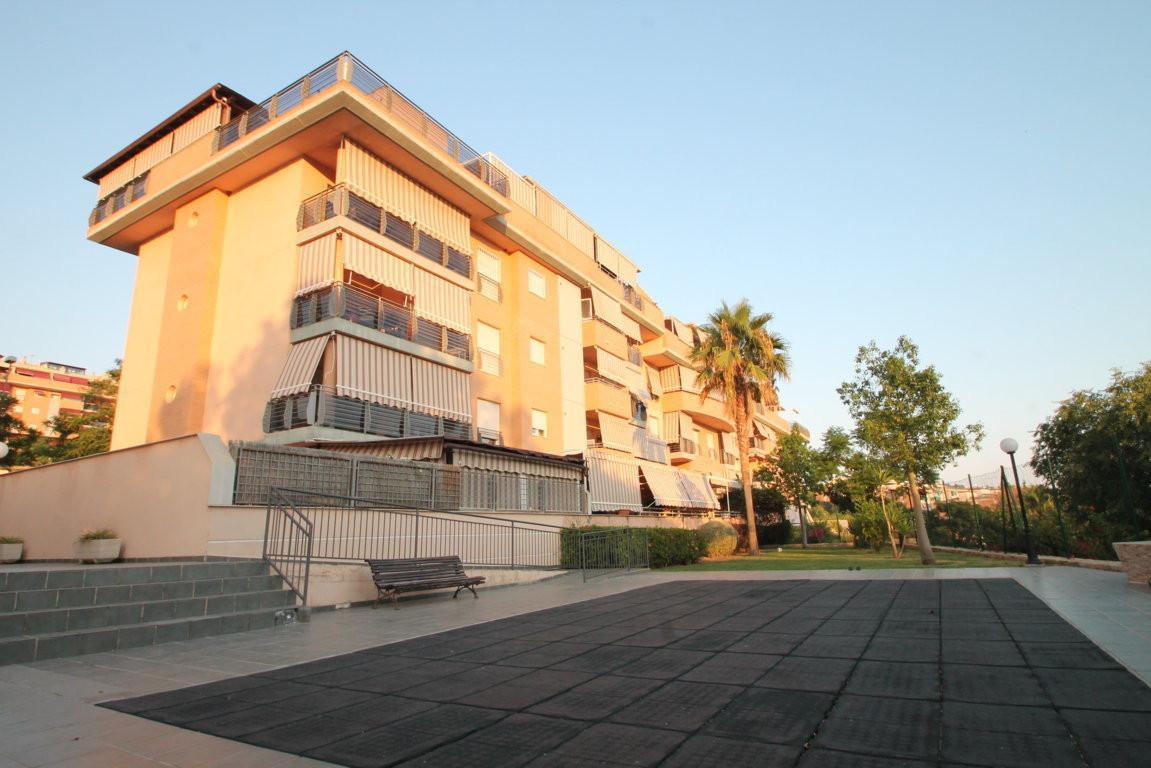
(81,434)
(798,472)
(904,417)
(741,359)
(12,431)
(1095,450)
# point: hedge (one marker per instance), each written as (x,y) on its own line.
(666,546)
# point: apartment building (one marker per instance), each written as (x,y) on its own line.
(334,265)
(43,391)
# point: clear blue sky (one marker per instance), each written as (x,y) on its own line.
(975,175)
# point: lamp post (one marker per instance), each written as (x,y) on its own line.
(1010,446)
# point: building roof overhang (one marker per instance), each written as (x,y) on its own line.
(218,92)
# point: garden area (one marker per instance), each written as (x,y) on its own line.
(834,557)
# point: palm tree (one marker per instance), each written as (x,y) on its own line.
(739,358)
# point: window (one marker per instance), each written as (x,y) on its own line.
(539,423)
(488,346)
(536,284)
(488,421)
(537,351)
(489,275)
(638,412)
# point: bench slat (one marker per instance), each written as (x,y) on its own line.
(406,575)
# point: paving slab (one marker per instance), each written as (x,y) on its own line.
(899,668)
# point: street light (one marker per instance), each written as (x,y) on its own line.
(1010,446)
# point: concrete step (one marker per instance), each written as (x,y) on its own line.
(150,591)
(55,620)
(21,577)
(22,650)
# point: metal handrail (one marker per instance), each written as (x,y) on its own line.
(288,543)
(349,69)
(603,551)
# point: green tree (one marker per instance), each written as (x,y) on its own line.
(87,433)
(905,417)
(742,360)
(798,472)
(12,431)
(1095,451)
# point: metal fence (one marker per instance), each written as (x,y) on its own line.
(397,482)
(304,527)
(620,550)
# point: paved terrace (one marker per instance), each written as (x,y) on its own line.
(910,668)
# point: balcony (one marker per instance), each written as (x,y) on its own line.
(602,394)
(343,301)
(711,413)
(632,297)
(340,201)
(321,407)
(119,198)
(666,350)
(347,68)
(682,451)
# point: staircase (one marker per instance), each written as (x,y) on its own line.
(51,611)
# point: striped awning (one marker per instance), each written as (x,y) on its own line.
(615,432)
(377,264)
(729,443)
(443,302)
(697,490)
(376,374)
(612,367)
(614,483)
(630,328)
(664,486)
(300,369)
(607,308)
(441,391)
(317,264)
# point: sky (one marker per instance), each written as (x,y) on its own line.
(975,175)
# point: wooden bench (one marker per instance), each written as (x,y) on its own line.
(394,576)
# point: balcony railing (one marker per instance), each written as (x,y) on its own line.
(321,407)
(631,296)
(340,201)
(684,445)
(490,362)
(634,356)
(490,288)
(344,301)
(347,68)
(119,198)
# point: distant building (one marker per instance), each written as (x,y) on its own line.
(43,390)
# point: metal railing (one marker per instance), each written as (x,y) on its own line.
(631,296)
(397,482)
(322,407)
(340,201)
(618,550)
(343,301)
(304,527)
(119,198)
(490,288)
(347,68)
(684,445)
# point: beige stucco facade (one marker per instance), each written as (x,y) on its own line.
(346,268)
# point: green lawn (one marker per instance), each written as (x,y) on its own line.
(795,558)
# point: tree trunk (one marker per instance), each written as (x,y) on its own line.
(896,549)
(802,522)
(926,556)
(744,439)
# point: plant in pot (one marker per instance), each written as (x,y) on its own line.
(11,549)
(99,546)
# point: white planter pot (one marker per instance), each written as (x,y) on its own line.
(11,553)
(98,550)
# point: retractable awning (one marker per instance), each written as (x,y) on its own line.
(300,368)
(614,483)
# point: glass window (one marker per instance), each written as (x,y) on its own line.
(537,351)
(539,423)
(537,284)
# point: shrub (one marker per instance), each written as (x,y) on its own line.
(719,538)
(99,533)
(673,546)
(776,533)
(11,540)
(817,533)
